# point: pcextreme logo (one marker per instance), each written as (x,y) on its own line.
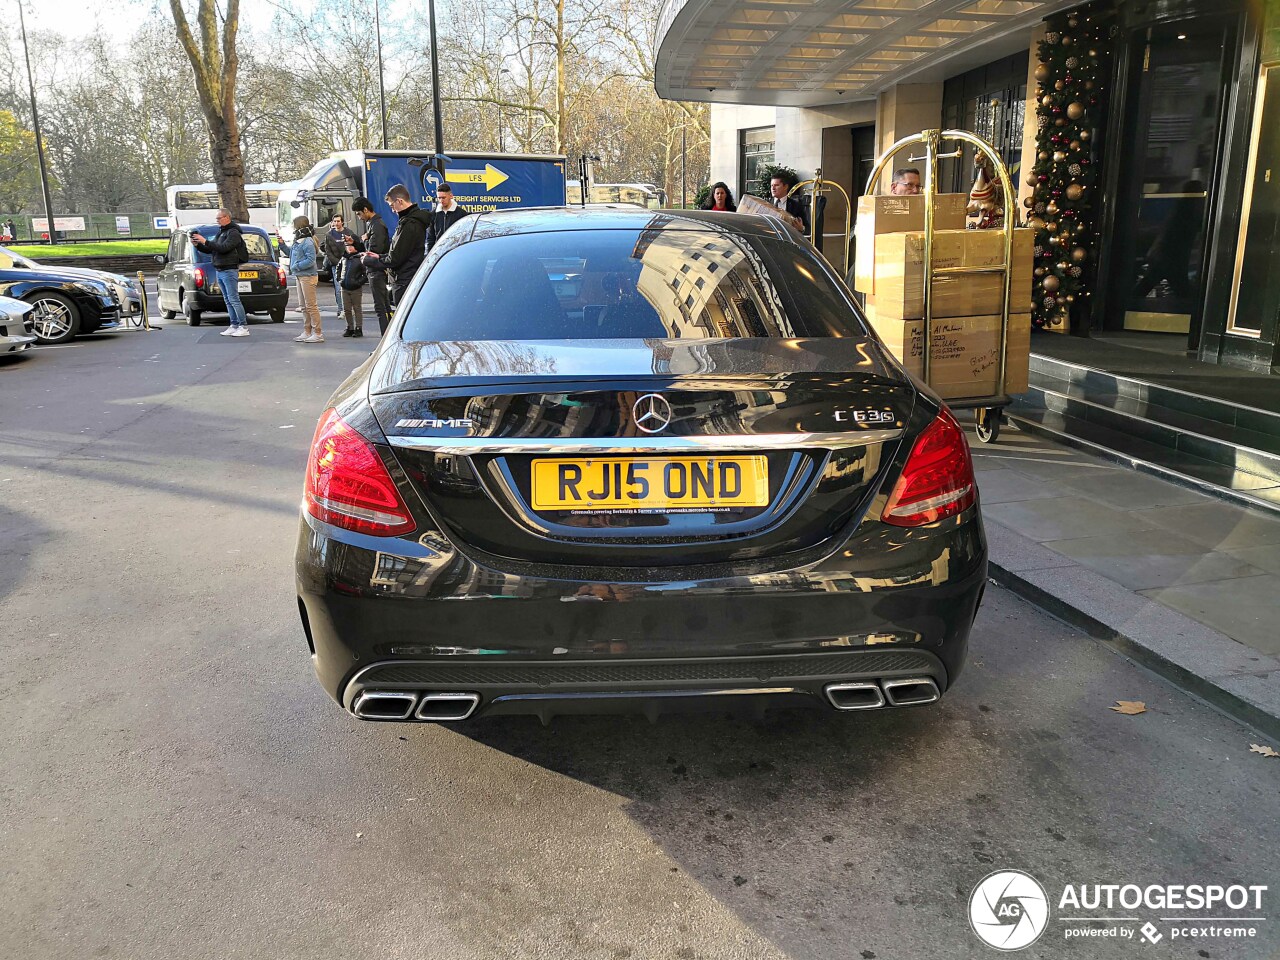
(1009,910)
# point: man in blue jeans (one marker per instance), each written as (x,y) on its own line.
(229,251)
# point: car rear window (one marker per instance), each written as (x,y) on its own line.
(620,284)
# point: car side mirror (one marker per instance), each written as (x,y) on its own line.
(161,258)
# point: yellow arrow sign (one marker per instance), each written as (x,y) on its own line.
(491,176)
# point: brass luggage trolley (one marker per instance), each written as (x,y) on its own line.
(988,410)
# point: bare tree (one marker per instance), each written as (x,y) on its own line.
(215,64)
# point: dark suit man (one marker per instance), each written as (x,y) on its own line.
(778,187)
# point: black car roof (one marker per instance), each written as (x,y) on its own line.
(622,217)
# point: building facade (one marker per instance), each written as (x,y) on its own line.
(1185,238)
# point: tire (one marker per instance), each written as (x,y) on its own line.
(277,314)
(193,315)
(988,428)
(56,317)
(167,314)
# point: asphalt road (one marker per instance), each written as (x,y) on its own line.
(176,785)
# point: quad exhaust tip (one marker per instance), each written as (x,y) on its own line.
(869,695)
(408,705)
(447,706)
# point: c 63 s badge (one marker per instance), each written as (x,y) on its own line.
(866,416)
(450,423)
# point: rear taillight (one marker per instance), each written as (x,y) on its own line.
(937,481)
(282,277)
(348,485)
(199,277)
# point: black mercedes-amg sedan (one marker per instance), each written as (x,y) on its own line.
(612,460)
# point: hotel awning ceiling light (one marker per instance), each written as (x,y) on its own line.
(811,52)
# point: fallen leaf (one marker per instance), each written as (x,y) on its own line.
(1130,707)
(1265,751)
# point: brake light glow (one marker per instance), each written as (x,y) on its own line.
(199,277)
(349,486)
(937,481)
(282,276)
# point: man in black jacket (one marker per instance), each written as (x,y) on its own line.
(446,214)
(229,251)
(409,245)
(376,240)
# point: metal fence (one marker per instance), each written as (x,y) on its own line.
(92,226)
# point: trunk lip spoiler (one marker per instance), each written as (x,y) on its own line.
(469,446)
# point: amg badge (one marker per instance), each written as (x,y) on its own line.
(457,422)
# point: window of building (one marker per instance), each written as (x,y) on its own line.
(755,152)
(990,101)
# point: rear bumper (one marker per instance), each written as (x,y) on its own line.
(252,302)
(398,615)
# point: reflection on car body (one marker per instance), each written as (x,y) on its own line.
(690,477)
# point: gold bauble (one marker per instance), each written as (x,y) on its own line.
(1074,191)
(1088,84)
(1079,254)
(1075,110)
(1071,298)
(1039,271)
(1059,156)
(1051,227)
(1059,85)
(1062,265)
(1029,202)
(1046,101)
(1032,180)
(1042,155)
(1035,223)
(1060,122)
(1052,208)
(1085,135)
(1074,145)
(1042,72)
(1051,284)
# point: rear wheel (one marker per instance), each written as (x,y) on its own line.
(193,315)
(56,318)
(168,314)
(277,314)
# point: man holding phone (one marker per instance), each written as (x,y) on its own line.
(229,251)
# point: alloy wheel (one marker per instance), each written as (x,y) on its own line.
(53,319)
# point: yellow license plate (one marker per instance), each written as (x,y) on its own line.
(650,483)
(248,274)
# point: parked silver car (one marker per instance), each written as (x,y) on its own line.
(16,324)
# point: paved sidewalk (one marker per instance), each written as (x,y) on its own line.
(1183,583)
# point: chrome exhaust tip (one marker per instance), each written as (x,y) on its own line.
(384,705)
(911,692)
(863,695)
(437,707)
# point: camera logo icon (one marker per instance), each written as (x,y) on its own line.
(1008,910)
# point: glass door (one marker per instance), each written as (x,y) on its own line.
(1173,127)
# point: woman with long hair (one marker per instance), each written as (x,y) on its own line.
(304,257)
(720,198)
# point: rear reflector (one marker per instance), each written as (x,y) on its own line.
(348,485)
(937,481)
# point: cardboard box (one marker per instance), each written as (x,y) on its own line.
(966,351)
(899,268)
(890,214)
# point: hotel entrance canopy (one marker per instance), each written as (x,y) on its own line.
(799,53)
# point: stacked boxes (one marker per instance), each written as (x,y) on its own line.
(966,308)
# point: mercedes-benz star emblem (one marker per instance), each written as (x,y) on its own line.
(652,413)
